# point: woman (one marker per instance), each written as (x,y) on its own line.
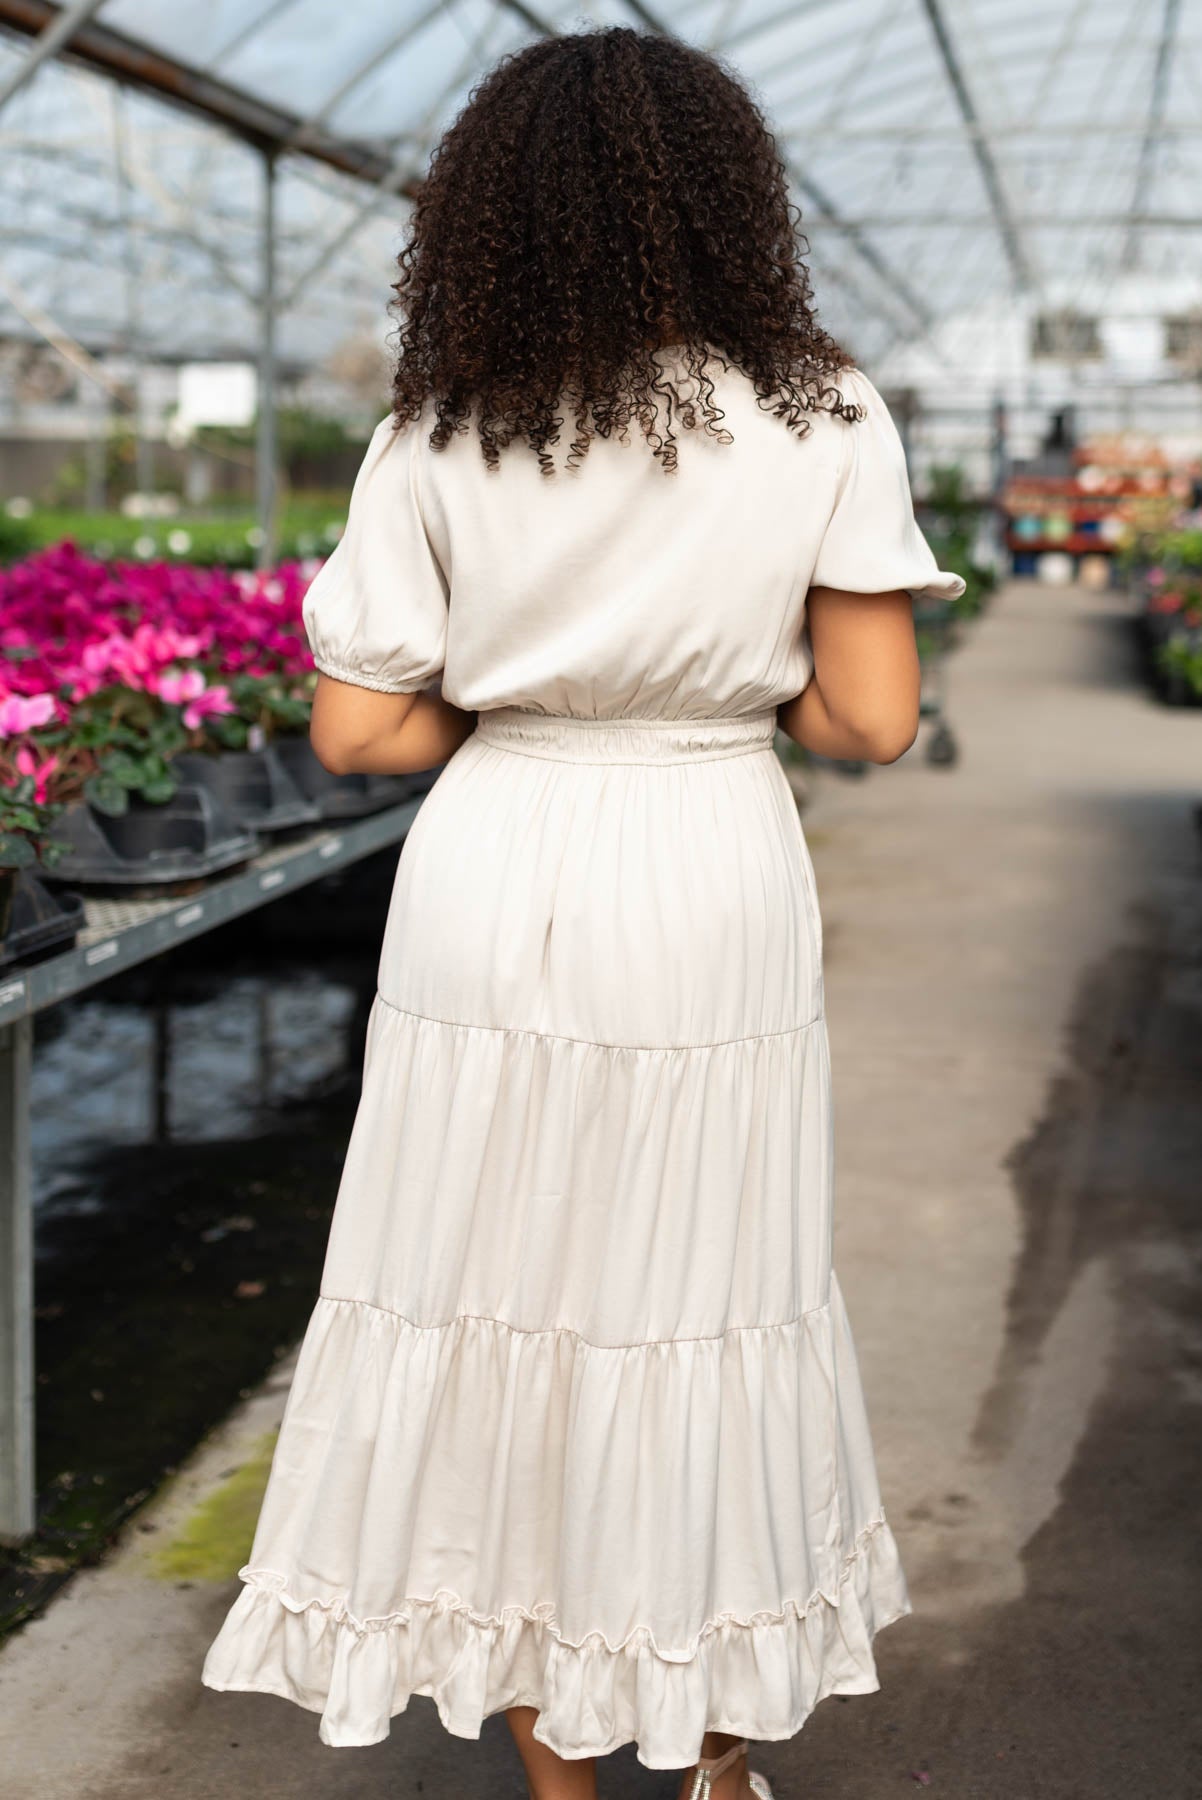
(576,1430)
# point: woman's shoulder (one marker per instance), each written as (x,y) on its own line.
(856,388)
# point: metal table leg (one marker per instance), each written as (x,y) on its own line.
(17,1485)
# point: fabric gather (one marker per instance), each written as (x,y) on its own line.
(759,1677)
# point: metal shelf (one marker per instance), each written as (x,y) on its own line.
(116,935)
(119,933)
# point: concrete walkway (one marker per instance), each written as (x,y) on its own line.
(1015,995)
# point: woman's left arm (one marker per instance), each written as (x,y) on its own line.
(357,731)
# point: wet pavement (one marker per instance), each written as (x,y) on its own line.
(1014,988)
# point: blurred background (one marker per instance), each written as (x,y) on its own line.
(201,209)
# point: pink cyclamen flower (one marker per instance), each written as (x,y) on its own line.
(213,700)
(27,764)
(178,686)
(19,713)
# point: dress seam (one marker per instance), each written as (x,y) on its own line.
(636,762)
(752,1037)
(379,684)
(657,720)
(267,1580)
(711,1337)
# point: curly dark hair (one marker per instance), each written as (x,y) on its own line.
(601,197)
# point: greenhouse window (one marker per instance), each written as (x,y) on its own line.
(1183,339)
(1058,336)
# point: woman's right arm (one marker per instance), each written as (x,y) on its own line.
(861,703)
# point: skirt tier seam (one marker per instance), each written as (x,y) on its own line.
(712,1337)
(271,1581)
(753,1037)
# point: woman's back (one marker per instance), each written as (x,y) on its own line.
(617,589)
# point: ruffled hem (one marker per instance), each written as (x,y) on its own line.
(758,1678)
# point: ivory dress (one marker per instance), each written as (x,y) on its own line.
(576,1422)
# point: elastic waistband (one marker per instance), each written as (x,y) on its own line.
(566,738)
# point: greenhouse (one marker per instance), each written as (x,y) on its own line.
(209,878)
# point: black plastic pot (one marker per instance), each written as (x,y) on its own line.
(191,835)
(38,920)
(340,796)
(253,786)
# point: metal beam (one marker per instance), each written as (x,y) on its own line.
(51,39)
(251,29)
(643,13)
(317,120)
(399,181)
(896,283)
(59,340)
(18,1489)
(844,133)
(880,266)
(132,273)
(259,122)
(926,221)
(530,17)
(990,174)
(265,439)
(1146,168)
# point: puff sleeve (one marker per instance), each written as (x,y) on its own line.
(872,544)
(375,613)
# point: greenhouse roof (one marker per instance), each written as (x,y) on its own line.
(945,153)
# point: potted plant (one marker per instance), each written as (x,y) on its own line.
(30,918)
(167,680)
(136,817)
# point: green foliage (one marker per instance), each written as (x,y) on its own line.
(1167,549)
(24,822)
(268,706)
(951,521)
(946,494)
(953,550)
(1180,660)
(228,731)
(17,538)
(16,851)
(1182,550)
(299,433)
(132,738)
(309,526)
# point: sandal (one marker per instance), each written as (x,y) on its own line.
(709,1766)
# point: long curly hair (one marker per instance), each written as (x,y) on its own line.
(604,197)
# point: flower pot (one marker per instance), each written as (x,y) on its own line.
(8,887)
(189,836)
(37,920)
(253,786)
(341,796)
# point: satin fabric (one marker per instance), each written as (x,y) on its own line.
(577,1421)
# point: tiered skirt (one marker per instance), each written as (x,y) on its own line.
(577,1422)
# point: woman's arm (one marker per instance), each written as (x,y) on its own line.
(861,703)
(356,731)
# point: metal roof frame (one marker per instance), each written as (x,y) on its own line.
(270,129)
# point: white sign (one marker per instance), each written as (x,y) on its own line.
(216,394)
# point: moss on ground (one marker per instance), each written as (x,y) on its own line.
(215,1539)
